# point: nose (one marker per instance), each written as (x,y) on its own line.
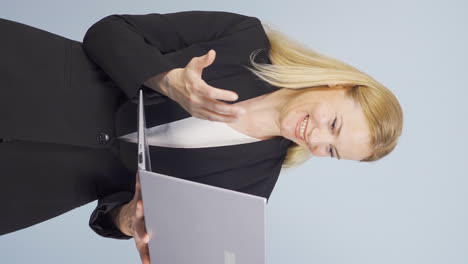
(319,140)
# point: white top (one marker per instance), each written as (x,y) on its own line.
(192,132)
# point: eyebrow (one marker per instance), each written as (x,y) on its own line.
(337,135)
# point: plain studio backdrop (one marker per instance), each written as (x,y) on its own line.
(410,207)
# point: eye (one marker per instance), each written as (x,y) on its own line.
(333,124)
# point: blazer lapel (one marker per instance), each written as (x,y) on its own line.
(193,163)
(196,162)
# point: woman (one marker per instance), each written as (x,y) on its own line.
(295,103)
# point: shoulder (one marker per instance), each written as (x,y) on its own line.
(230,21)
(220,15)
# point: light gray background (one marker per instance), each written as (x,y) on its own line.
(408,208)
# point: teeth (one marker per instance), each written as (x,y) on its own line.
(303,125)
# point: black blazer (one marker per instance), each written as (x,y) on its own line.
(118,54)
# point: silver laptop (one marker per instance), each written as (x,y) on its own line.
(193,223)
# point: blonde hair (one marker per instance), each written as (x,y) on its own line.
(296,66)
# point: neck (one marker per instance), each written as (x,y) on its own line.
(261,120)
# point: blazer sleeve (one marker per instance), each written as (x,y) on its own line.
(101,221)
(131,48)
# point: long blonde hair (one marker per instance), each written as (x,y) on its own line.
(296,66)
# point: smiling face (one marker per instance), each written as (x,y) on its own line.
(333,124)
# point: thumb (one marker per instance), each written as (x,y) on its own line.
(206,60)
(210,57)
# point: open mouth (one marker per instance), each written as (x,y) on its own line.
(301,127)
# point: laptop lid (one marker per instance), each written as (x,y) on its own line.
(189,222)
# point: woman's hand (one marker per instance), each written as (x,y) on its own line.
(131,221)
(186,87)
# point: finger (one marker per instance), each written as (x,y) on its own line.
(213,116)
(223,108)
(138,179)
(217,93)
(144,253)
(138,188)
(140,222)
(141,235)
(139,210)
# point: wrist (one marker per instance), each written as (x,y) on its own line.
(161,83)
